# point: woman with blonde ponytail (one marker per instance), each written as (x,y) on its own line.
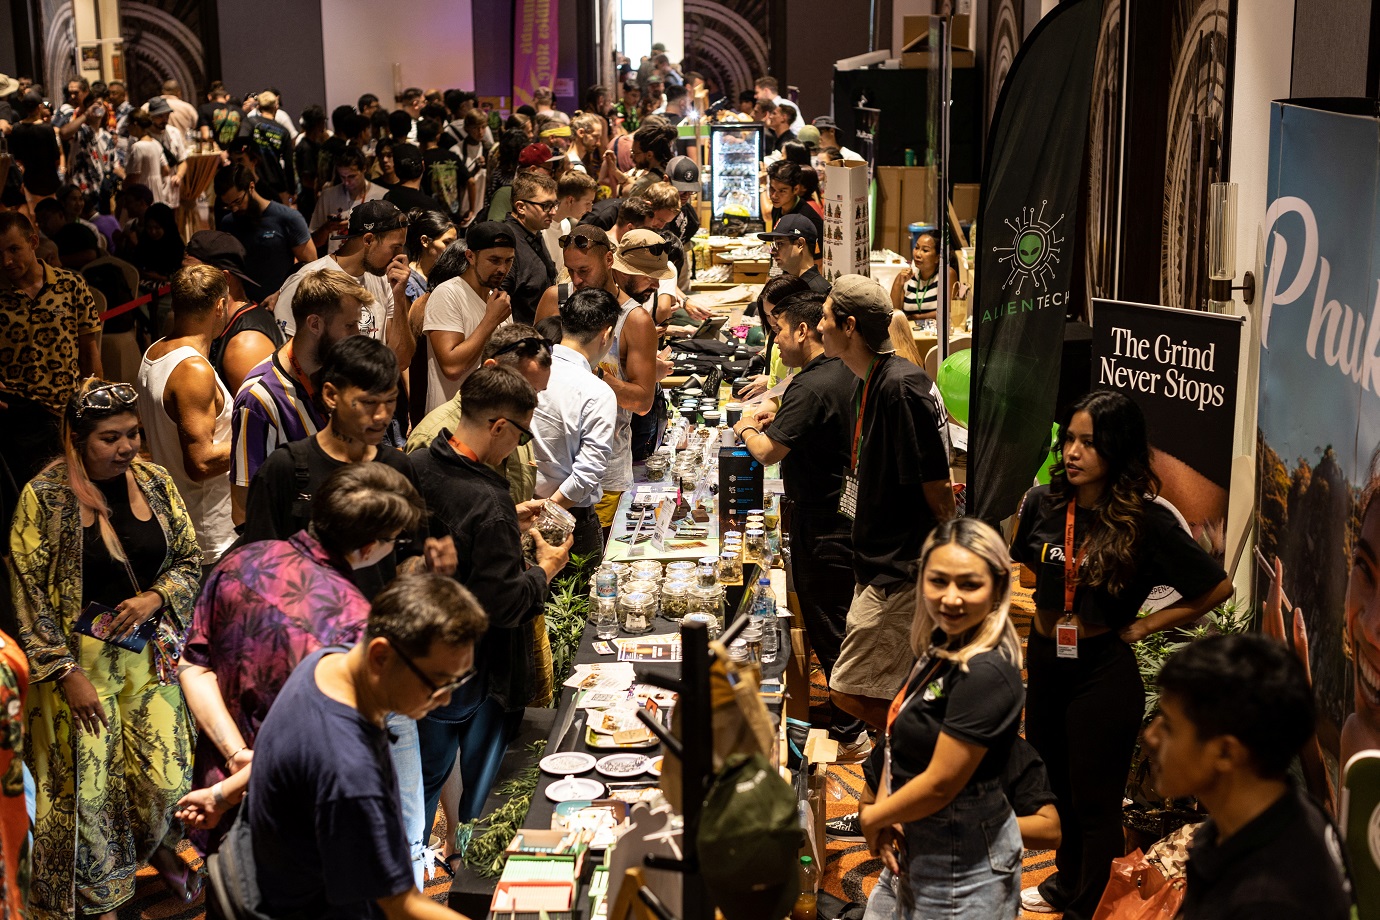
(109,732)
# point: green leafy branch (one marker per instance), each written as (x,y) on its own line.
(484,853)
(567,612)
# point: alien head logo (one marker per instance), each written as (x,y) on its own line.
(1033,252)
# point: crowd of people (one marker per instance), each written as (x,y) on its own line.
(290,508)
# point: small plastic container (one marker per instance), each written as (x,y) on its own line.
(707,574)
(730,567)
(636,611)
(711,624)
(657,468)
(731,536)
(755,546)
(554,523)
(646,570)
(708,599)
(679,570)
(675,599)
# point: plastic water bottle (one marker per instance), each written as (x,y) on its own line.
(805,905)
(764,614)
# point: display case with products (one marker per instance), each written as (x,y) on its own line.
(735,157)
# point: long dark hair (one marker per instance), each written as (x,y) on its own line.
(1121,442)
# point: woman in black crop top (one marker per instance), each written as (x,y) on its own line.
(941,822)
(1086,698)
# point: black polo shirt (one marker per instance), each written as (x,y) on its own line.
(532,272)
(816,422)
(1165,555)
(1284,865)
(980,706)
(901,451)
(815,280)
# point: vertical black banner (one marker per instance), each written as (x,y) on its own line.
(1180,367)
(1026,254)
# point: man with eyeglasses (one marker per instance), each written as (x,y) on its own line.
(274,236)
(321,832)
(471,501)
(534,204)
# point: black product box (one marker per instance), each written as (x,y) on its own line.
(740,487)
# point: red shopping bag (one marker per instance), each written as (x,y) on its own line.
(1137,890)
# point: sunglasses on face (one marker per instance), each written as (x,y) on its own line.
(532,345)
(435,688)
(107,397)
(548,206)
(582,243)
(657,249)
(523,439)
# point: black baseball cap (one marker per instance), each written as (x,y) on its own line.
(219,250)
(792,227)
(489,234)
(376,217)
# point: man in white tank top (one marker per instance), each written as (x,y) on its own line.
(186,409)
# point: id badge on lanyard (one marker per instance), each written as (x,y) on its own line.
(1066,633)
(848,494)
(902,700)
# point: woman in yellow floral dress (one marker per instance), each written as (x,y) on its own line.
(110,737)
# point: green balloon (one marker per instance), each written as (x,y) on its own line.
(955,376)
(1043,476)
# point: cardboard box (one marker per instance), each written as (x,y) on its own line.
(751,271)
(798,678)
(916,53)
(847,224)
(966,196)
(905,195)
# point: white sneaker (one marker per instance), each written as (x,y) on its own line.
(855,751)
(1033,901)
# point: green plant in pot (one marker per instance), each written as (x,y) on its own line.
(1148,817)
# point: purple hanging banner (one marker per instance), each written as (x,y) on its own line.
(535,47)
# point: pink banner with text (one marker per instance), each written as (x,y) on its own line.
(535,48)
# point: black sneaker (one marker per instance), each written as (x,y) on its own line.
(848,827)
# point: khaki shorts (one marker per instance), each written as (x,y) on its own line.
(607,508)
(876,657)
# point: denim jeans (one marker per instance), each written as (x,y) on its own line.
(963,861)
(407,764)
(480,740)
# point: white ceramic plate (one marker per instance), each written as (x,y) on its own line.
(575,787)
(654,766)
(622,766)
(565,763)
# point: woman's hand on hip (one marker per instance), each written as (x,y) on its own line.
(87,711)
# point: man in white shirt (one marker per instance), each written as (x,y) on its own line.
(372,254)
(331,215)
(463,312)
(768,90)
(829,137)
(173,141)
(186,409)
(574,197)
(573,425)
(184,115)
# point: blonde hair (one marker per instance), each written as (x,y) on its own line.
(75,432)
(663,196)
(321,292)
(997,631)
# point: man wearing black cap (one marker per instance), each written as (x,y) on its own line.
(793,241)
(461,313)
(896,488)
(372,254)
(684,174)
(252,333)
(273,235)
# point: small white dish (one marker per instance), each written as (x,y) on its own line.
(654,766)
(566,763)
(575,787)
(622,766)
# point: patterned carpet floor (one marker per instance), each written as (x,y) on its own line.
(849,872)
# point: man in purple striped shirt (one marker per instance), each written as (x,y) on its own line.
(277,403)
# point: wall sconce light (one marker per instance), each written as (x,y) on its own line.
(1222,250)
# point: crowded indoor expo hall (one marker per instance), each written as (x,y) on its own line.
(690,460)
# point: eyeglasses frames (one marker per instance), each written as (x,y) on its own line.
(531,345)
(523,439)
(548,206)
(582,243)
(107,397)
(436,689)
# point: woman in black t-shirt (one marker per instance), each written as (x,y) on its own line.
(941,822)
(1086,697)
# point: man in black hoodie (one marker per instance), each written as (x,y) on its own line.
(470,499)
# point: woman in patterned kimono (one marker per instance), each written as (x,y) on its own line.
(110,738)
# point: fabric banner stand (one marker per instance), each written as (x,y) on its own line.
(1180,367)
(535,48)
(1319,407)
(1026,253)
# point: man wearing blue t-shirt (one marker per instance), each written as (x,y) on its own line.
(274,235)
(321,832)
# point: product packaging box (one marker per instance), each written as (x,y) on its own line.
(905,196)
(847,239)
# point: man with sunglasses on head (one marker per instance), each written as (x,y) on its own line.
(471,501)
(321,833)
(534,204)
(461,313)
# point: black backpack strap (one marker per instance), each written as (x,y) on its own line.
(301,477)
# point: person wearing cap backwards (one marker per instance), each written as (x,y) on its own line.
(277,176)
(462,312)
(374,255)
(273,235)
(534,203)
(896,489)
(252,334)
(793,240)
(783,177)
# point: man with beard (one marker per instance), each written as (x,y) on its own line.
(586,151)
(273,235)
(534,203)
(372,254)
(462,312)
(630,273)
(174,141)
(278,402)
